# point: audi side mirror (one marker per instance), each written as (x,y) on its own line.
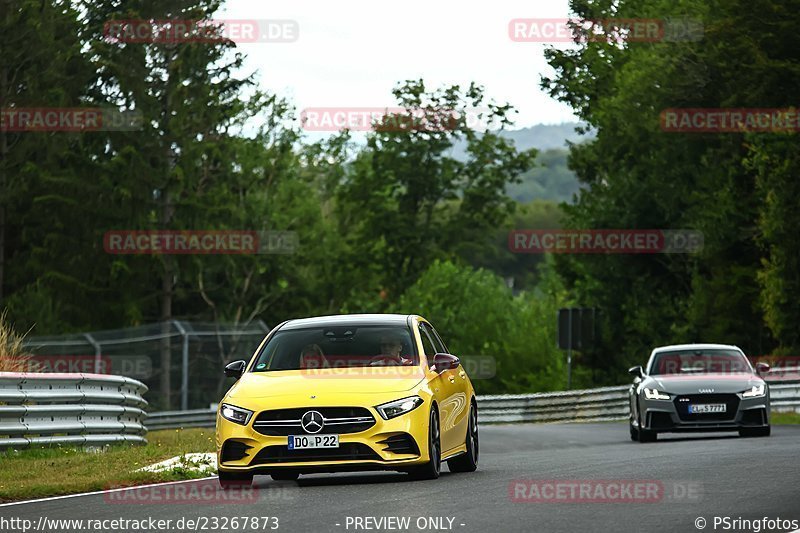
(445,361)
(235,369)
(762,368)
(636,371)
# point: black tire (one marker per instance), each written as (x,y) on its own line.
(755,432)
(634,432)
(431,469)
(228,480)
(468,462)
(646,435)
(285,476)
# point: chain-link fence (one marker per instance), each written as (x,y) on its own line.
(181,362)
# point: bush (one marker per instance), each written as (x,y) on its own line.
(13,357)
(477,314)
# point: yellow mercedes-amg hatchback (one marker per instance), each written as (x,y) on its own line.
(346,393)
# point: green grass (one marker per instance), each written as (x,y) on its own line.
(785,418)
(38,473)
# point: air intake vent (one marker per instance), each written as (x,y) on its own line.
(347,451)
(401,443)
(233,450)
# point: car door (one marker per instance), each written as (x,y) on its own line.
(453,399)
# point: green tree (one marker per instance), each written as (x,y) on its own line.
(477,315)
(41,65)
(405,202)
(636,175)
(775,161)
(176,172)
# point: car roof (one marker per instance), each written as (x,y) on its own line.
(676,347)
(347,320)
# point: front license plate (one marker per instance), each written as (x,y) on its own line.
(306,442)
(701,408)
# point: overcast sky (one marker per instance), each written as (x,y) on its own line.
(352,52)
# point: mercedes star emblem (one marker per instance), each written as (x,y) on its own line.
(312,422)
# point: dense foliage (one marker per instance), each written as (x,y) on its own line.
(737,188)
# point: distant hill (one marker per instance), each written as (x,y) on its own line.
(542,137)
(551,180)
(547,136)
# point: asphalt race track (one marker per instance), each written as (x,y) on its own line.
(698,476)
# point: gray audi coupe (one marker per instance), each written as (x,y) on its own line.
(700,388)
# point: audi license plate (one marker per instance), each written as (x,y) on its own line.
(306,442)
(702,408)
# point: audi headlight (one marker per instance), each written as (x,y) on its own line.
(235,414)
(756,391)
(398,407)
(655,394)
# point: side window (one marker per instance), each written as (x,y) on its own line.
(437,340)
(430,349)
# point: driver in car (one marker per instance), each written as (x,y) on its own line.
(391,349)
(312,357)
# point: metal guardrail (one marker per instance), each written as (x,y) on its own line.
(785,396)
(70,409)
(198,418)
(606,403)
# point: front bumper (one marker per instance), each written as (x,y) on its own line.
(665,416)
(244,449)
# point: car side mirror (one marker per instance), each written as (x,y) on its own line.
(445,361)
(762,368)
(235,369)
(636,371)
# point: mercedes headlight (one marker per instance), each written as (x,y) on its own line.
(655,394)
(235,414)
(756,391)
(398,407)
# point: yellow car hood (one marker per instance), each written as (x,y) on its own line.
(325,381)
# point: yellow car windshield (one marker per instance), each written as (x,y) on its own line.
(338,347)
